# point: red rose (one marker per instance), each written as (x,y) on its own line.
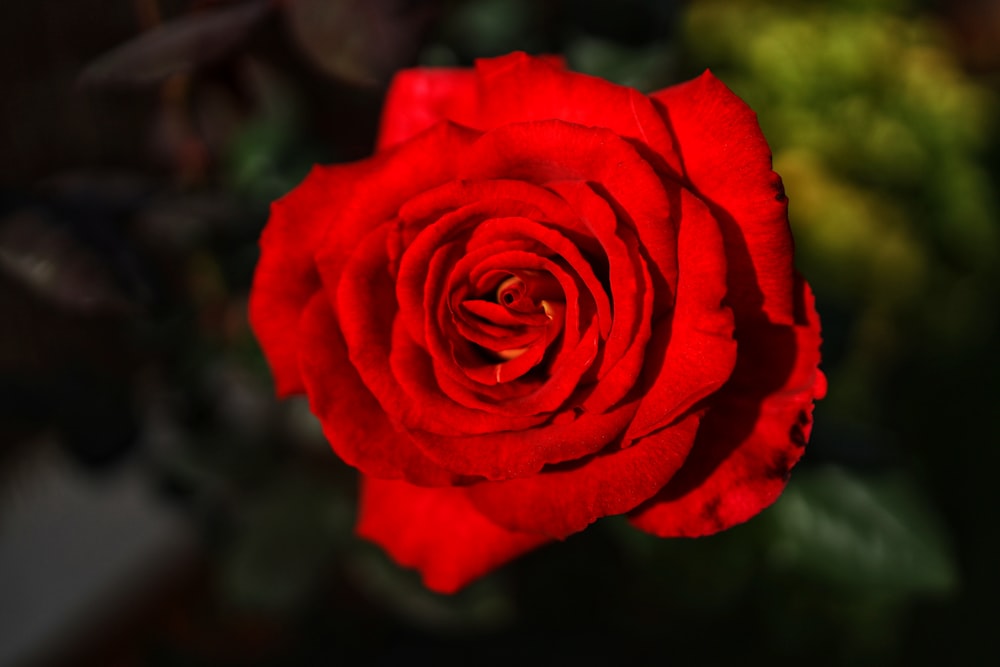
(544,300)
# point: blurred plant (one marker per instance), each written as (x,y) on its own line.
(358,41)
(179,45)
(883,143)
(880,138)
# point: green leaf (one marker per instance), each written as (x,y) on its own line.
(873,532)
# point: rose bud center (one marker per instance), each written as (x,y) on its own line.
(522,312)
(530,293)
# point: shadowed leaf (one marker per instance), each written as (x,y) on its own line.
(872,532)
(56,266)
(176,46)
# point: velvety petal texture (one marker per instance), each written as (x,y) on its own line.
(286,277)
(726,160)
(546,299)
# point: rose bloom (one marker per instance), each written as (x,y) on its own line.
(545,299)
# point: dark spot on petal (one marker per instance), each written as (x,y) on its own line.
(779,195)
(782,466)
(710,513)
(797,434)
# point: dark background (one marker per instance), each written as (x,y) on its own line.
(159,507)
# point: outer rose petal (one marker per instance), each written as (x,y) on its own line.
(437,531)
(286,277)
(419,98)
(565,499)
(518,88)
(753,434)
(353,421)
(727,161)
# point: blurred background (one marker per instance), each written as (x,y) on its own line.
(159,507)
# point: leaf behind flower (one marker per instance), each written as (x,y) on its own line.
(176,46)
(874,532)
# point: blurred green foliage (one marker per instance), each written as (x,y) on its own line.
(873,534)
(888,153)
(880,138)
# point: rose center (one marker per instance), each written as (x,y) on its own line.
(525,296)
(528,292)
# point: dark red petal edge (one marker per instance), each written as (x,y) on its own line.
(286,276)
(752,436)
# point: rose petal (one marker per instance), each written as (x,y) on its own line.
(375,336)
(437,531)
(751,437)
(502,342)
(560,501)
(421,97)
(461,443)
(549,151)
(493,317)
(394,176)
(448,214)
(286,276)
(508,197)
(727,161)
(461,369)
(485,384)
(691,354)
(352,420)
(530,396)
(518,88)
(552,243)
(632,295)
